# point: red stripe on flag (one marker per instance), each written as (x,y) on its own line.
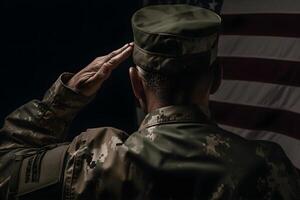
(257,118)
(261,70)
(283,25)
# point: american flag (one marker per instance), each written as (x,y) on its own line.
(259,49)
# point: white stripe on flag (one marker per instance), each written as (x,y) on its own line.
(260,6)
(259,95)
(290,145)
(278,48)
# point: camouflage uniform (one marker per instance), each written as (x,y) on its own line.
(177,153)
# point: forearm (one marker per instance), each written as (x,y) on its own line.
(39,123)
(45,122)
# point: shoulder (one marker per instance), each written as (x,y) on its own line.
(95,155)
(276,159)
(261,150)
(96,137)
(96,147)
(281,177)
(104,133)
(257,148)
(263,166)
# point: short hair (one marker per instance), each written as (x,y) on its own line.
(171,88)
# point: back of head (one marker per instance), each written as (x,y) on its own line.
(175,48)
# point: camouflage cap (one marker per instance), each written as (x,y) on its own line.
(175,38)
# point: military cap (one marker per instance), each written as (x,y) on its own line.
(175,38)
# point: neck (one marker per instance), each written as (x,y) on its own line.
(202,104)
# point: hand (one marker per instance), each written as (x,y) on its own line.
(89,80)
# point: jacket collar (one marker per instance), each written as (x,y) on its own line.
(175,114)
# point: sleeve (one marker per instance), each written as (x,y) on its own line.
(44,122)
(95,165)
(281,179)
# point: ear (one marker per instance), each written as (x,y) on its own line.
(137,84)
(217,77)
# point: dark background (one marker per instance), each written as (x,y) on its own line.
(42,39)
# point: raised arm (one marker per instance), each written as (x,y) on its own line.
(40,123)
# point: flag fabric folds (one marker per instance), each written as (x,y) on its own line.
(259,51)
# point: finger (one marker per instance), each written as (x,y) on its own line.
(116,52)
(99,61)
(100,76)
(106,69)
(116,60)
(104,72)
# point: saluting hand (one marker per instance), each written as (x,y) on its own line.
(89,80)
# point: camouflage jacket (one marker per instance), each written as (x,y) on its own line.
(177,153)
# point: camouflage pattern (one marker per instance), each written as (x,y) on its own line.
(177,153)
(189,157)
(37,127)
(173,38)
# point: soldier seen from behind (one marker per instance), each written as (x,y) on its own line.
(178,152)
